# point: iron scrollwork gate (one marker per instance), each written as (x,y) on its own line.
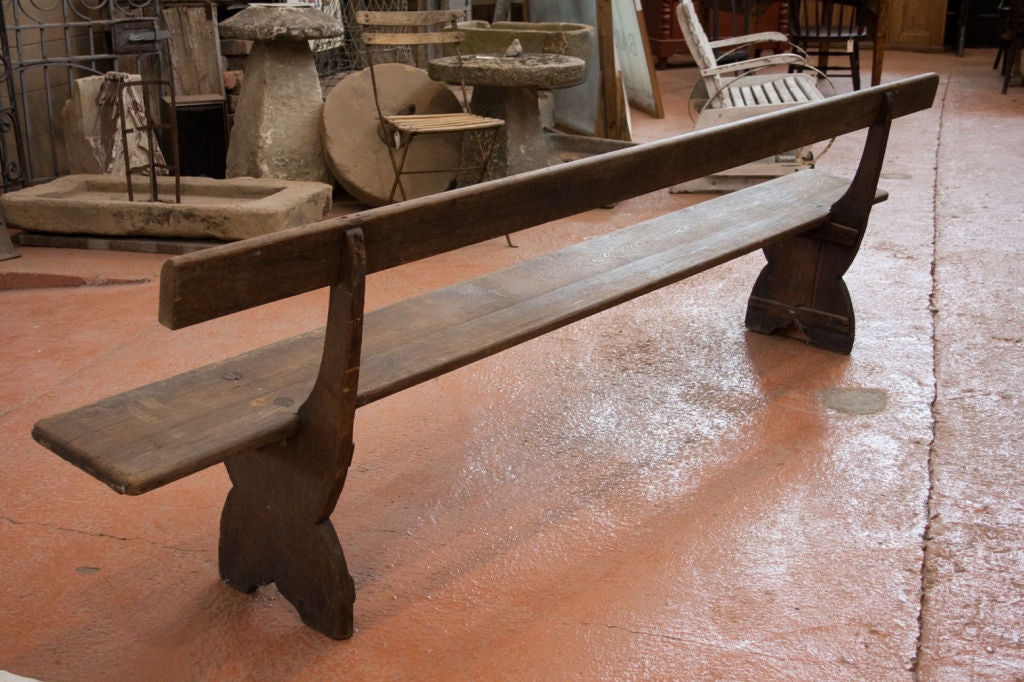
(47,44)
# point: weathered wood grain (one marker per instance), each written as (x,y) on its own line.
(194,50)
(291,262)
(145,438)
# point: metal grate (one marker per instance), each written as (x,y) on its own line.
(47,45)
(337,57)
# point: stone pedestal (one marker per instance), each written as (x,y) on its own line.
(276,133)
(506,88)
(521,145)
(277,122)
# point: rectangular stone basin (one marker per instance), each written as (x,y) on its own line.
(228,210)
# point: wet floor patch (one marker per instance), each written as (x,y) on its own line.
(855,400)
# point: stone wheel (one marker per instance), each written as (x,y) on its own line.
(356,154)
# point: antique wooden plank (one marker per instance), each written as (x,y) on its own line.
(411,18)
(153,435)
(150,436)
(421,338)
(194,50)
(264,269)
(434,38)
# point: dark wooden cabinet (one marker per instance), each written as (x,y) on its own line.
(666,38)
(663,32)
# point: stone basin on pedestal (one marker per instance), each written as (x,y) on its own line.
(506,88)
(574,40)
(559,38)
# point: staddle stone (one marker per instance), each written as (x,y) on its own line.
(276,129)
(281,22)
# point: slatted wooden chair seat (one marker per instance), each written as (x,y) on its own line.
(446,123)
(777,91)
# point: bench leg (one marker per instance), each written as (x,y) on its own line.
(271,532)
(276,524)
(801,293)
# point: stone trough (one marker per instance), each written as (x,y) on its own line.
(225,210)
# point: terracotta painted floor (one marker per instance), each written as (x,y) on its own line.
(653,493)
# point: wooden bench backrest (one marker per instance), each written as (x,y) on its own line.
(233,277)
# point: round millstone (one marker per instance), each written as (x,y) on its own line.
(351,132)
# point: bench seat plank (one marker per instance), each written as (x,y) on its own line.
(424,337)
(153,435)
(156,434)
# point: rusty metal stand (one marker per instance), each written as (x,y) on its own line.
(139,37)
(152,168)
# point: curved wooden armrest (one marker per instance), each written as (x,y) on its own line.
(755,63)
(750,39)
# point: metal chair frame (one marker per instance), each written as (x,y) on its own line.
(419,28)
(727,82)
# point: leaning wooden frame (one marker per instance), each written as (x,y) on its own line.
(281,417)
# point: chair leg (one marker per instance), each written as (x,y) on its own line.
(398,166)
(855,65)
(1009,58)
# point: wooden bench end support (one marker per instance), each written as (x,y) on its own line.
(830,330)
(276,524)
(801,292)
(268,535)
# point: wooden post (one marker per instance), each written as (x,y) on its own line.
(881,35)
(613,109)
(502,10)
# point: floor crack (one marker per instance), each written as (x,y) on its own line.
(933,307)
(107,536)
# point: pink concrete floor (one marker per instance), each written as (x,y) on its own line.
(653,493)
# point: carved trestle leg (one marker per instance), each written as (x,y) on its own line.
(276,525)
(801,291)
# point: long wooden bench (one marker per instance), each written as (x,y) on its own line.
(281,417)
